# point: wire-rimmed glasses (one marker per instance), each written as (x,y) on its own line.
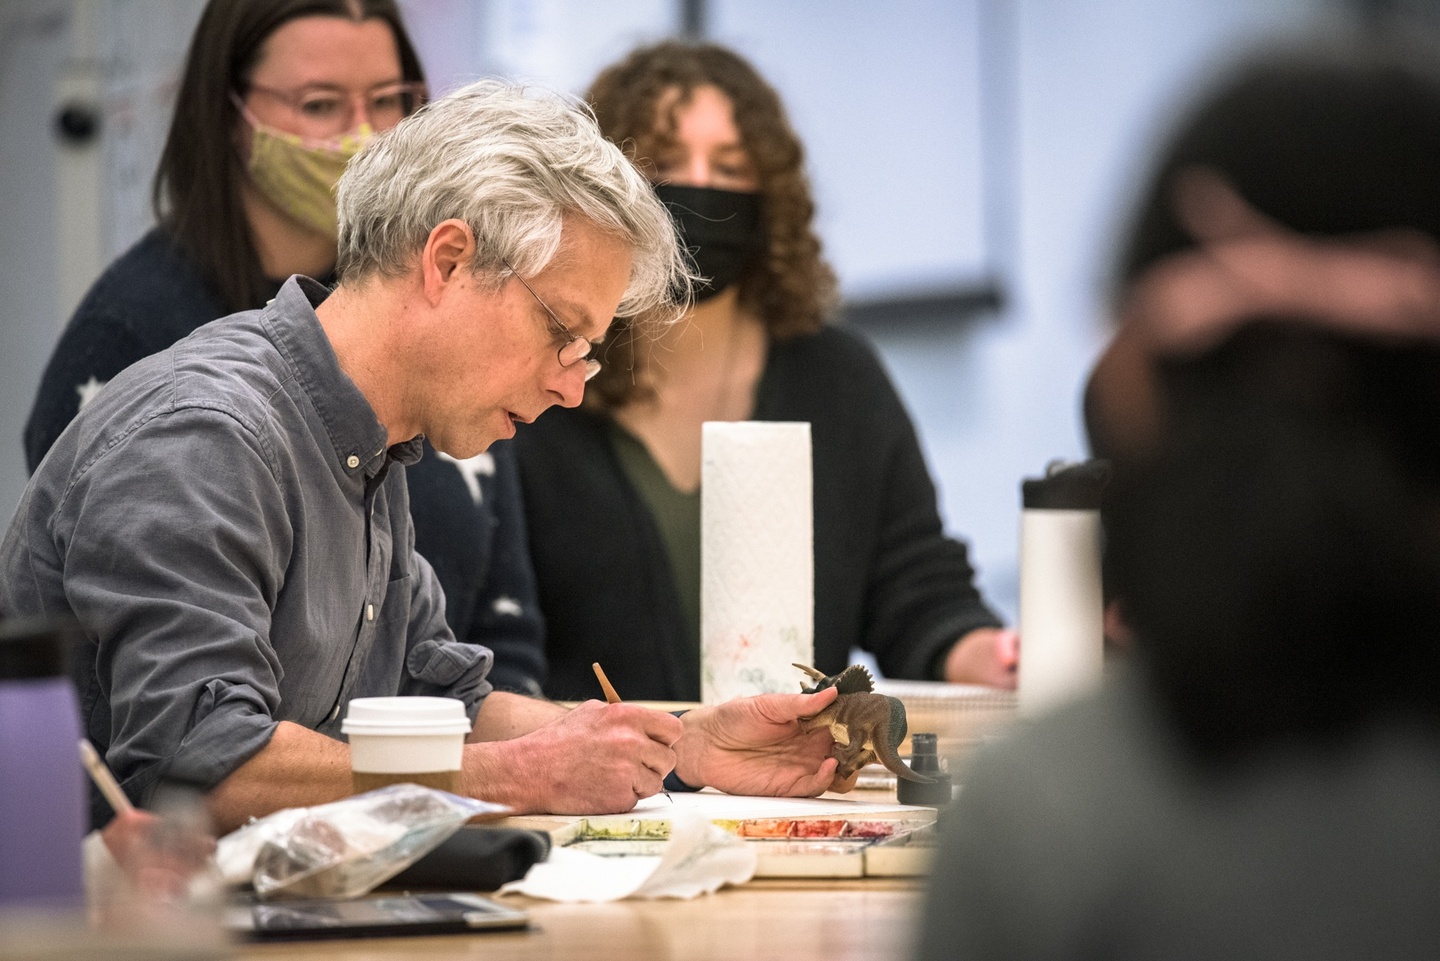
(576,348)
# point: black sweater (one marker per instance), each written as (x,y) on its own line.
(153,295)
(886,577)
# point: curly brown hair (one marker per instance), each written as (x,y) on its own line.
(791,288)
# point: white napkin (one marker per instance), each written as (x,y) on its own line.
(699,857)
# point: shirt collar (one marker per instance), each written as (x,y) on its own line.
(357,436)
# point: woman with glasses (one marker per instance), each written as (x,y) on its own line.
(612,488)
(274,99)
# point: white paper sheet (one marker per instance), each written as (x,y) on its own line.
(699,858)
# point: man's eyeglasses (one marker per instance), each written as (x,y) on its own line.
(332,111)
(575,349)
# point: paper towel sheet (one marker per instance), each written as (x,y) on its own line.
(699,858)
(757,558)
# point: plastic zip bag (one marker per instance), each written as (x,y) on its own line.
(346,848)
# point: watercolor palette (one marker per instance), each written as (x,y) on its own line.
(787,847)
(834,836)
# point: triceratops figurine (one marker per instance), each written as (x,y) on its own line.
(866,726)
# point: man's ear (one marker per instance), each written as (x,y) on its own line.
(448,250)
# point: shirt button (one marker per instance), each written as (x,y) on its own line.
(352,462)
(369,612)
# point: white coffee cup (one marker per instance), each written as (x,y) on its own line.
(406,740)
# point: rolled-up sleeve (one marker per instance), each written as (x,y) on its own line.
(436,664)
(174,542)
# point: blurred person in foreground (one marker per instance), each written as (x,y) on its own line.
(228,519)
(1264,779)
(612,489)
(274,98)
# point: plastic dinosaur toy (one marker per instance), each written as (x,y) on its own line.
(866,726)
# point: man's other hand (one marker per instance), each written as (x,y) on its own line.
(756,745)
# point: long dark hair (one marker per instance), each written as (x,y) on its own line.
(196,195)
(791,288)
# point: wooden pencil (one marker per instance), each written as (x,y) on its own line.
(610,696)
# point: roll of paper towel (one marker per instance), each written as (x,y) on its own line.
(757,558)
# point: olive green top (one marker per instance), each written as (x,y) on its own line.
(677,515)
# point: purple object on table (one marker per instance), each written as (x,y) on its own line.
(42,783)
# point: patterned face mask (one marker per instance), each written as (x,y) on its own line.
(298,175)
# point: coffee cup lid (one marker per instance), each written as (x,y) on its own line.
(405,716)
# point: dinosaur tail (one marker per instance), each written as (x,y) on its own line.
(892,732)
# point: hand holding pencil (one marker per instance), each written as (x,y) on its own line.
(605,756)
(161,859)
(128,836)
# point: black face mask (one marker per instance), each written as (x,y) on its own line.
(720,228)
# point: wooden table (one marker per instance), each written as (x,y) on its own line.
(864,919)
(873,918)
(787,920)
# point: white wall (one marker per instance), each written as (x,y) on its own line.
(34,36)
(59,228)
(886,98)
(1096,81)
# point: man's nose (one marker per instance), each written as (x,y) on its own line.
(568,385)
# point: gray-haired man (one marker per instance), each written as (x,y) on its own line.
(228,519)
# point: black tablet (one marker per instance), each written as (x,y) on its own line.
(373,917)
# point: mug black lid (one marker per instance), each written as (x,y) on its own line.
(32,648)
(1067,486)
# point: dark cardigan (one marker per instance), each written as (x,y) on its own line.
(887,579)
(153,295)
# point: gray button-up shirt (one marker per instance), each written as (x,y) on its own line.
(229,527)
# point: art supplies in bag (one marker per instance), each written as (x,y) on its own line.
(346,848)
